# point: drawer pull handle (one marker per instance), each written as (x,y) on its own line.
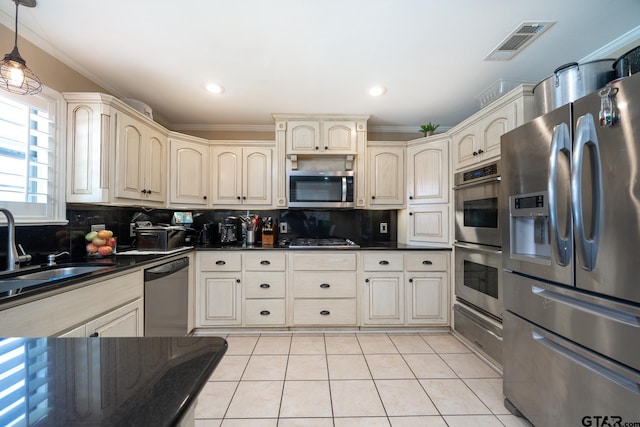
(427,262)
(325,312)
(384,262)
(325,285)
(265,262)
(220,262)
(265,286)
(265,313)
(95,334)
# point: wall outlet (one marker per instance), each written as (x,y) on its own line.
(98,227)
(383,228)
(284,228)
(132,229)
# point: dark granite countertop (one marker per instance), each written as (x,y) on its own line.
(362,246)
(110,381)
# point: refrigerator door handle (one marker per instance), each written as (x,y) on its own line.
(560,145)
(586,246)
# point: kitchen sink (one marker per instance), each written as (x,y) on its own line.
(60,272)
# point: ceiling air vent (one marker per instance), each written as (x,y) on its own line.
(519,38)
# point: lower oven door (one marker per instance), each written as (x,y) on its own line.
(476,212)
(478,277)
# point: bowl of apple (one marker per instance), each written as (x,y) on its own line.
(101,243)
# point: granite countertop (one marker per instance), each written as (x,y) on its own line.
(110,381)
(362,246)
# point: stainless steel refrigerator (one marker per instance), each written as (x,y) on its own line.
(570,214)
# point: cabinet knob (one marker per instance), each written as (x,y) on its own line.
(244,197)
(325,312)
(95,334)
(326,148)
(384,262)
(237,280)
(220,262)
(238,197)
(265,286)
(366,280)
(480,151)
(265,313)
(373,197)
(410,197)
(410,280)
(317,148)
(427,262)
(265,262)
(475,153)
(325,285)
(410,213)
(204,197)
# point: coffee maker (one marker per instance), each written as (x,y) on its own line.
(229,230)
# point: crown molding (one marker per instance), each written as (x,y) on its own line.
(223,128)
(402,129)
(612,47)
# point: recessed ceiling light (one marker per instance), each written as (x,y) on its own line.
(215,88)
(377,91)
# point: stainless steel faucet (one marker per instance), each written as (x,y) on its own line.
(13,259)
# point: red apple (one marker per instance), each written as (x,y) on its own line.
(111,241)
(91,248)
(105,250)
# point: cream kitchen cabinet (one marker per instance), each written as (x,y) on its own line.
(428,171)
(428,290)
(383,288)
(428,224)
(477,139)
(112,306)
(386,184)
(264,288)
(188,171)
(115,155)
(324,288)
(321,137)
(219,289)
(241,176)
(141,156)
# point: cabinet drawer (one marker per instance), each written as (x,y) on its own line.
(312,284)
(264,261)
(322,261)
(427,261)
(324,312)
(220,261)
(383,261)
(264,284)
(264,312)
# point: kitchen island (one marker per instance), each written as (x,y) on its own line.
(106,381)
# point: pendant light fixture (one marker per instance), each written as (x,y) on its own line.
(15,76)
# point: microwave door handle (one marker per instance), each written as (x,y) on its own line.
(344,189)
(586,246)
(560,146)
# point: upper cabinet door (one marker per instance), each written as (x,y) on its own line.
(386,176)
(303,137)
(130,155)
(428,173)
(226,175)
(339,137)
(189,173)
(257,182)
(156,167)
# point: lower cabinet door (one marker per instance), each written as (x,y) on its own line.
(327,312)
(126,321)
(384,299)
(264,312)
(220,303)
(428,298)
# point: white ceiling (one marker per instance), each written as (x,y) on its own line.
(316,56)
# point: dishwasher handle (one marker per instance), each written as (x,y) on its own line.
(163,270)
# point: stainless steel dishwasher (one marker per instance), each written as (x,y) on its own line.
(166,289)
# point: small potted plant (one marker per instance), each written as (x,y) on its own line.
(428,129)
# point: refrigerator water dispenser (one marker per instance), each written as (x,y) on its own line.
(529,228)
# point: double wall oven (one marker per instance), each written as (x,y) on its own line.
(478,258)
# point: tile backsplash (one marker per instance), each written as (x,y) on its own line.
(361,226)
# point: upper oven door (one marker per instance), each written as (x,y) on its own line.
(476,209)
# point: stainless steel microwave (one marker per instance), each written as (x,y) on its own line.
(321,189)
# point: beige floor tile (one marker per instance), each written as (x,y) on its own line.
(410,343)
(445,343)
(307,367)
(376,344)
(348,367)
(266,368)
(256,399)
(306,399)
(362,422)
(269,344)
(301,344)
(513,421)
(429,366)
(404,397)
(388,366)
(453,397)
(305,422)
(207,423)
(342,344)
(230,368)
(355,399)
(490,392)
(241,344)
(428,421)
(472,421)
(469,366)
(267,422)
(214,399)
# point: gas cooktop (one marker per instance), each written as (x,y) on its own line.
(306,243)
